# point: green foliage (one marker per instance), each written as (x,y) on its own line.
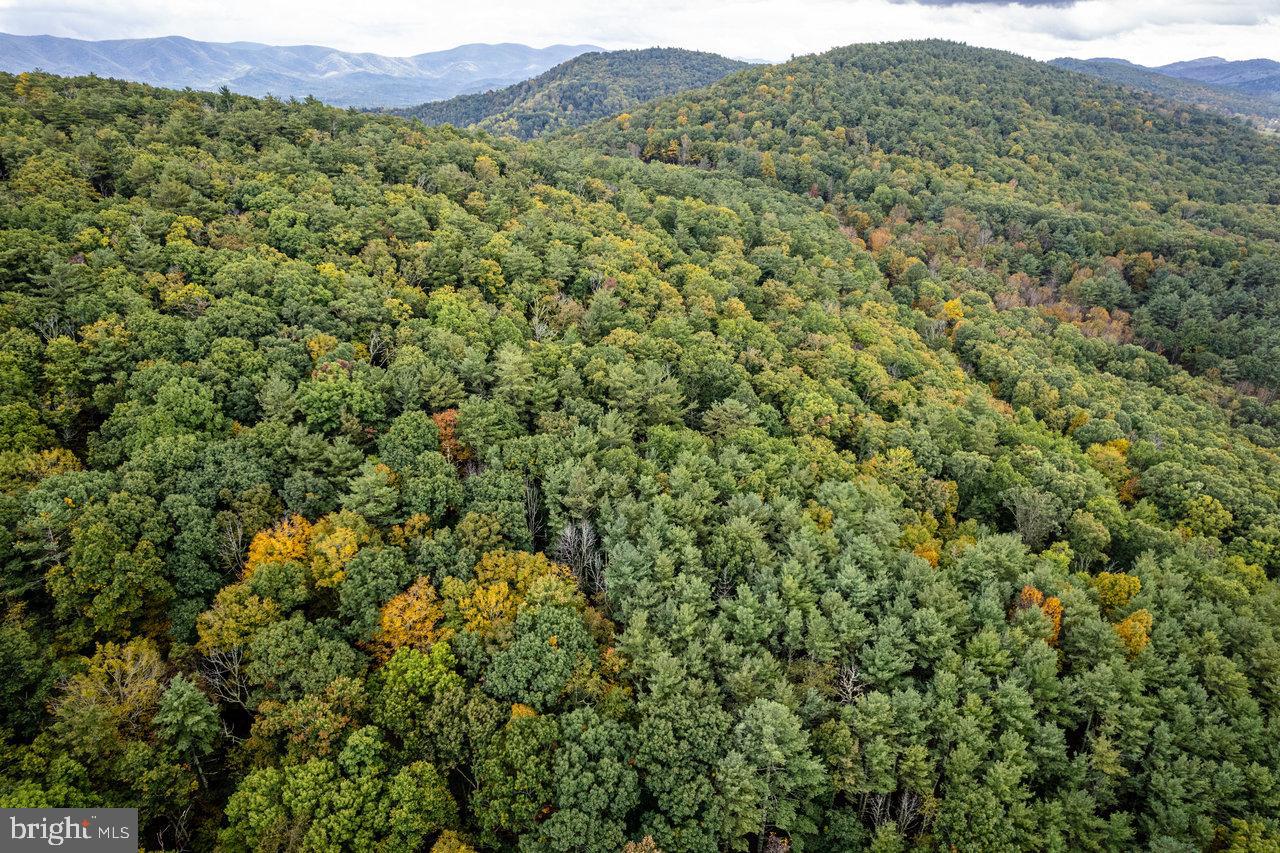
(373,486)
(586,88)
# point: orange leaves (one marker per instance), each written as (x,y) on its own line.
(411,619)
(453,449)
(1050,606)
(280,544)
(880,238)
(325,546)
(1135,631)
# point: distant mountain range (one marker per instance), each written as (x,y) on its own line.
(1249,89)
(586,88)
(333,76)
(1251,76)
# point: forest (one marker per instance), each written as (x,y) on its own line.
(871,452)
(1262,112)
(580,91)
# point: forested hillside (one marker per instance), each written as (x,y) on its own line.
(1263,112)
(367,486)
(1079,193)
(589,87)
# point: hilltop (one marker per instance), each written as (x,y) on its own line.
(586,88)
(1062,188)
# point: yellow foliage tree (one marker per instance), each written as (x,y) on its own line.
(235,617)
(282,543)
(1115,590)
(767,167)
(1135,631)
(411,619)
(503,580)
(1051,607)
(451,842)
(335,540)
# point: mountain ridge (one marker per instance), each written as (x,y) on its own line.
(581,90)
(342,78)
(1259,108)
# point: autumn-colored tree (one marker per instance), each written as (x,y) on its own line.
(287,540)
(453,449)
(1115,590)
(1135,631)
(335,540)
(410,620)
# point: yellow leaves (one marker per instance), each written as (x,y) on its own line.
(236,616)
(180,231)
(1111,460)
(624,121)
(451,842)
(411,619)
(767,167)
(1116,590)
(399,310)
(1135,631)
(919,537)
(1205,516)
(521,711)
(414,528)
(335,540)
(487,608)
(326,546)
(120,682)
(486,168)
(503,581)
(822,517)
(320,345)
(280,544)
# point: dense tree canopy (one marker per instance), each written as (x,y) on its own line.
(371,486)
(1153,220)
(586,88)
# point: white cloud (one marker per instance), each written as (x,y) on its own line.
(1150,31)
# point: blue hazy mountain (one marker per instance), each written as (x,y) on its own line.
(334,76)
(1195,83)
(1259,77)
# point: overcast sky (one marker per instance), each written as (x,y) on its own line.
(1146,31)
